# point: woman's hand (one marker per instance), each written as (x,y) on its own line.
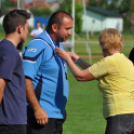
(61,53)
(74,56)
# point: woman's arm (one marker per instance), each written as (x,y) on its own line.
(82,63)
(80,75)
(79,61)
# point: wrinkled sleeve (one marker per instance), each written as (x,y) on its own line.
(99,69)
(7,65)
(32,58)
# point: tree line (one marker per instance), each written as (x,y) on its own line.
(124,7)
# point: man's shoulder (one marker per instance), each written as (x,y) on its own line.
(37,46)
(34,47)
(39,43)
(42,40)
(6,47)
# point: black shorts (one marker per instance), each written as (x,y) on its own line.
(54,126)
(12,129)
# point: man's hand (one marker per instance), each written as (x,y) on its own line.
(41,116)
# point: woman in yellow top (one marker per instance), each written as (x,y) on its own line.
(115,73)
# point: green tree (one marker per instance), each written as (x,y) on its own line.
(41,12)
(125,6)
(93,3)
(98,3)
(118,6)
(9,3)
(67,7)
(6,5)
(112,5)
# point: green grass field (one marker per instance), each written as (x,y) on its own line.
(84,108)
(96,49)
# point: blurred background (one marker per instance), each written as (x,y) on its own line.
(90,16)
(84,107)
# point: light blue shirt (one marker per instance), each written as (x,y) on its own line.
(47,72)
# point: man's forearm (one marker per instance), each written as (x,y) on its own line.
(40,114)
(31,97)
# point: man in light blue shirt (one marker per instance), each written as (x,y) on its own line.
(46,77)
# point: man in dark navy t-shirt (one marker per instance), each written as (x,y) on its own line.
(13,114)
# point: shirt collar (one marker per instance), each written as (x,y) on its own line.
(55,43)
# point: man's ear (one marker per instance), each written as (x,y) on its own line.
(54,28)
(19,29)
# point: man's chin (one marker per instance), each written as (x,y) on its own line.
(62,40)
(65,39)
(23,40)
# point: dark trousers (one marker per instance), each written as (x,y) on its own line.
(120,124)
(54,126)
(12,129)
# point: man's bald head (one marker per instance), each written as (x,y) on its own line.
(57,18)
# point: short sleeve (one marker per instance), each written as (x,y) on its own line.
(99,69)
(31,62)
(7,65)
(36,54)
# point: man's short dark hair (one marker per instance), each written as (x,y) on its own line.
(57,18)
(13,19)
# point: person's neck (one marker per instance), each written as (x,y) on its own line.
(13,38)
(113,52)
(52,36)
(109,53)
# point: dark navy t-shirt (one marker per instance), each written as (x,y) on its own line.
(13,105)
